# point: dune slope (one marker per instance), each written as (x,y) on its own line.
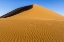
(31,31)
(33,12)
(31,23)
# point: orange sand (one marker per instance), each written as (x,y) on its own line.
(35,25)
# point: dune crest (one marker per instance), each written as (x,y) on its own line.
(33,11)
(17,11)
(32,23)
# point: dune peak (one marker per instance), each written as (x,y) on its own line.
(35,5)
(33,11)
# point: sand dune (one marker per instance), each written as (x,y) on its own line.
(33,12)
(32,23)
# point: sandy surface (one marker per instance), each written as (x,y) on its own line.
(35,25)
(38,12)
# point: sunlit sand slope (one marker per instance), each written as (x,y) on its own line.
(33,12)
(38,12)
(31,31)
(35,24)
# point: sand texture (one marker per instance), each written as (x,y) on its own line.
(33,23)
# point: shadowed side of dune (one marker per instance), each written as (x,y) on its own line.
(17,11)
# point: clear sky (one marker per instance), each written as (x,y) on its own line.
(9,5)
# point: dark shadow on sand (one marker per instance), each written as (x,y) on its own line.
(17,11)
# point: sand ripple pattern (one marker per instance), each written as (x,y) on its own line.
(31,31)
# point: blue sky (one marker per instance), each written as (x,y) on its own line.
(9,5)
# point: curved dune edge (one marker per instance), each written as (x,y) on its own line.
(36,24)
(33,11)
